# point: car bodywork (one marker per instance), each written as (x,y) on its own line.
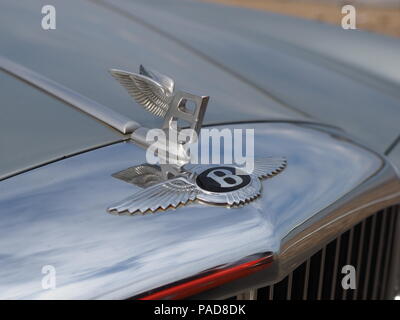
(295,82)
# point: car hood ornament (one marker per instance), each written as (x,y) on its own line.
(156,93)
(169,185)
(213,184)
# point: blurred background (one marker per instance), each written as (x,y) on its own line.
(379,16)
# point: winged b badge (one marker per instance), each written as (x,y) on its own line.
(156,93)
(223,185)
(171,185)
(153,90)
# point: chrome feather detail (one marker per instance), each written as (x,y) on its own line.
(169,193)
(156,93)
(269,167)
(152,90)
(143,175)
(187,187)
(172,184)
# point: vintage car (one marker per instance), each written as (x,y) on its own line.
(84,215)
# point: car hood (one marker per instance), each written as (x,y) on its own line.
(253,65)
(56,214)
(347,78)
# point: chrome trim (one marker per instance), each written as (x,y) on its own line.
(387,270)
(335,268)
(61,207)
(45,163)
(359,257)
(321,276)
(369,283)
(211,278)
(271,292)
(369,259)
(306,278)
(75,99)
(379,257)
(247,295)
(348,257)
(171,193)
(290,282)
(370,197)
(394,279)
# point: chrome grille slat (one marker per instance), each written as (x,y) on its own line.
(289,287)
(348,258)
(367,246)
(335,268)
(248,295)
(271,292)
(379,257)
(359,258)
(370,243)
(392,223)
(306,277)
(321,274)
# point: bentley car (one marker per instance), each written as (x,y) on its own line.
(86,215)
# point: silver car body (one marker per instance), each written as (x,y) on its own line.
(326,98)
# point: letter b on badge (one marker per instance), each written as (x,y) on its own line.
(226,180)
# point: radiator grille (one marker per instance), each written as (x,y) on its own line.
(367,246)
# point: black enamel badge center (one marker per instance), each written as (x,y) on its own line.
(222,179)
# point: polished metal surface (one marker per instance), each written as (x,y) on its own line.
(322,79)
(179,183)
(55,215)
(185,187)
(370,253)
(350,256)
(248,295)
(394,279)
(306,279)
(335,269)
(84,104)
(289,60)
(320,276)
(290,283)
(391,274)
(394,156)
(36,129)
(381,248)
(152,90)
(81,50)
(263,168)
(360,254)
(156,93)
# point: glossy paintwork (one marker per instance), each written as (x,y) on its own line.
(89,40)
(394,156)
(83,104)
(342,77)
(35,128)
(56,215)
(268,66)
